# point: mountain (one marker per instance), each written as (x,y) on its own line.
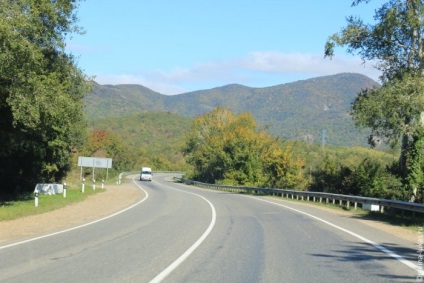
(316,110)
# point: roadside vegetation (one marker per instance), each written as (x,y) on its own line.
(224,148)
(24,207)
(41,92)
(394,111)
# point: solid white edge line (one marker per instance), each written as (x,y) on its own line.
(80,226)
(187,253)
(381,248)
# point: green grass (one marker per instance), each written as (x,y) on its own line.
(46,203)
(26,206)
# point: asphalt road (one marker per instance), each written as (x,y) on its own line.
(178,233)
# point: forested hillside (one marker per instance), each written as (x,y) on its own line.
(158,139)
(314,110)
(153,138)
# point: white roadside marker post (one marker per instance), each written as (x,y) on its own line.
(36,198)
(64,190)
(83,185)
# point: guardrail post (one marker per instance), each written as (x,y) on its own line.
(292,196)
(297,197)
(382,209)
(320,199)
(348,204)
(326,200)
(356,205)
(334,201)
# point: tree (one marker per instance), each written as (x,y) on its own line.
(223,147)
(211,147)
(281,167)
(41,92)
(105,144)
(393,111)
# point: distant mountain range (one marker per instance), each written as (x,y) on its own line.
(315,110)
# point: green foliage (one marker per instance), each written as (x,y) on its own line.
(106,144)
(394,111)
(327,178)
(150,138)
(370,178)
(41,92)
(227,148)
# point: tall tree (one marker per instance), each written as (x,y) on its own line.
(394,111)
(224,146)
(103,143)
(41,91)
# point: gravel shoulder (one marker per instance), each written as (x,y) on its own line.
(114,199)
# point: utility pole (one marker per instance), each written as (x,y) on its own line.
(324,136)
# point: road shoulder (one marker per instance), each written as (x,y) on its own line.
(114,199)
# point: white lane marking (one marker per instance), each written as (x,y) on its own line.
(81,226)
(187,253)
(381,248)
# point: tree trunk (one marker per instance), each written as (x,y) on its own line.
(402,157)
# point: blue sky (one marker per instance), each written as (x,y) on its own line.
(174,47)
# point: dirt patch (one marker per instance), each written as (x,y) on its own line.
(94,207)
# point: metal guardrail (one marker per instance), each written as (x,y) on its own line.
(318,196)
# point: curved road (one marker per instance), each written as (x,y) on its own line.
(179,233)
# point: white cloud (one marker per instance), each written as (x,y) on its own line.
(292,63)
(255,69)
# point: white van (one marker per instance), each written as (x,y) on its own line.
(146,174)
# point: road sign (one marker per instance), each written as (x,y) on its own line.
(95,162)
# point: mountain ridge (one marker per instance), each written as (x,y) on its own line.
(311,109)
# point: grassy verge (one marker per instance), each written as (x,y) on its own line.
(46,203)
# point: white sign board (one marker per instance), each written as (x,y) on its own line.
(95,162)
